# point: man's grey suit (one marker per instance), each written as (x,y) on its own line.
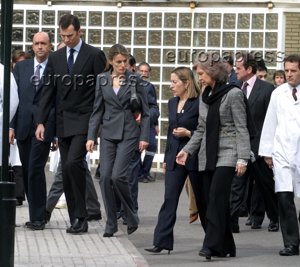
(120,134)
(74,95)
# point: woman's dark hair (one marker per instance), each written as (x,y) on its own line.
(279,73)
(131,60)
(115,50)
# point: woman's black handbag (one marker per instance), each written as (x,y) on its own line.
(135,102)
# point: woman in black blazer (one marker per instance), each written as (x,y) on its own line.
(183,120)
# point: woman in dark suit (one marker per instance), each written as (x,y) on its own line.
(120,134)
(224,143)
(183,118)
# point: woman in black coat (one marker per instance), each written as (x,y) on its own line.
(183,120)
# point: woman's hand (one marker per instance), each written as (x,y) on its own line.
(181,132)
(240,169)
(143,145)
(89,146)
(181,157)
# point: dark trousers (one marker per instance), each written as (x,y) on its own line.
(146,164)
(288,219)
(133,178)
(174,183)
(18,178)
(264,182)
(72,150)
(56,190)
(218,237)
(34,155)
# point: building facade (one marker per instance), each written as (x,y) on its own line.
(168,34)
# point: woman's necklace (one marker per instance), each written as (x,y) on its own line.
(181,105)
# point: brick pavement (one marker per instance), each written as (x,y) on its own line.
(54,247)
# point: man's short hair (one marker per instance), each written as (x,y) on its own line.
(67,20)
(293,58)
(248,61)
(144,63)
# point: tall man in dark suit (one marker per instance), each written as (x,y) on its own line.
(33,153)
(71,75)
(258,93)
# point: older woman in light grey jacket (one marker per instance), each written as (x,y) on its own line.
(224,142)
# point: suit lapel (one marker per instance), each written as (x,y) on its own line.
(29,72)
(81,59)
(124,88)
(173,108)
(109,89)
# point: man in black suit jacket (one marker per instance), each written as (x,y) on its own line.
(258,93)
(33,153)
(71,75)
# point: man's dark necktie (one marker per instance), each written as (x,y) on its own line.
(294,94)
(244,88)
(37,75)
(71,61)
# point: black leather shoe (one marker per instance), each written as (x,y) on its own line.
(157,250)
(131,229)
(19,202)
(79,226)
(235,228)
(108,235)
(47,216)
(205,252)
(255,225)
(289,251)
(94,217)
(273,226)
(248,221)
(36,225)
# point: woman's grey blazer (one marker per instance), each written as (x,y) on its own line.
(112,111)
(234,140)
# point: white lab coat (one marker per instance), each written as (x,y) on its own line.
(14,102)
(280,138)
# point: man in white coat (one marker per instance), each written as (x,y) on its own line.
(14,101)
(280,145)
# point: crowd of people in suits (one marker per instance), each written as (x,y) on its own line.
(228,132)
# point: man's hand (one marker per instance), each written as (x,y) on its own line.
(157,130)
(89,146)
(269,162)
(11,136)
(143,145)
(39,132)
(181,157)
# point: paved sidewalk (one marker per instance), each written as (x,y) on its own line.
(54,247)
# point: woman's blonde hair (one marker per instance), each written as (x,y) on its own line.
(186,75)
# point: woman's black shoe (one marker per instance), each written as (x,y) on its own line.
(205,252)
(156,250)
(108,235)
